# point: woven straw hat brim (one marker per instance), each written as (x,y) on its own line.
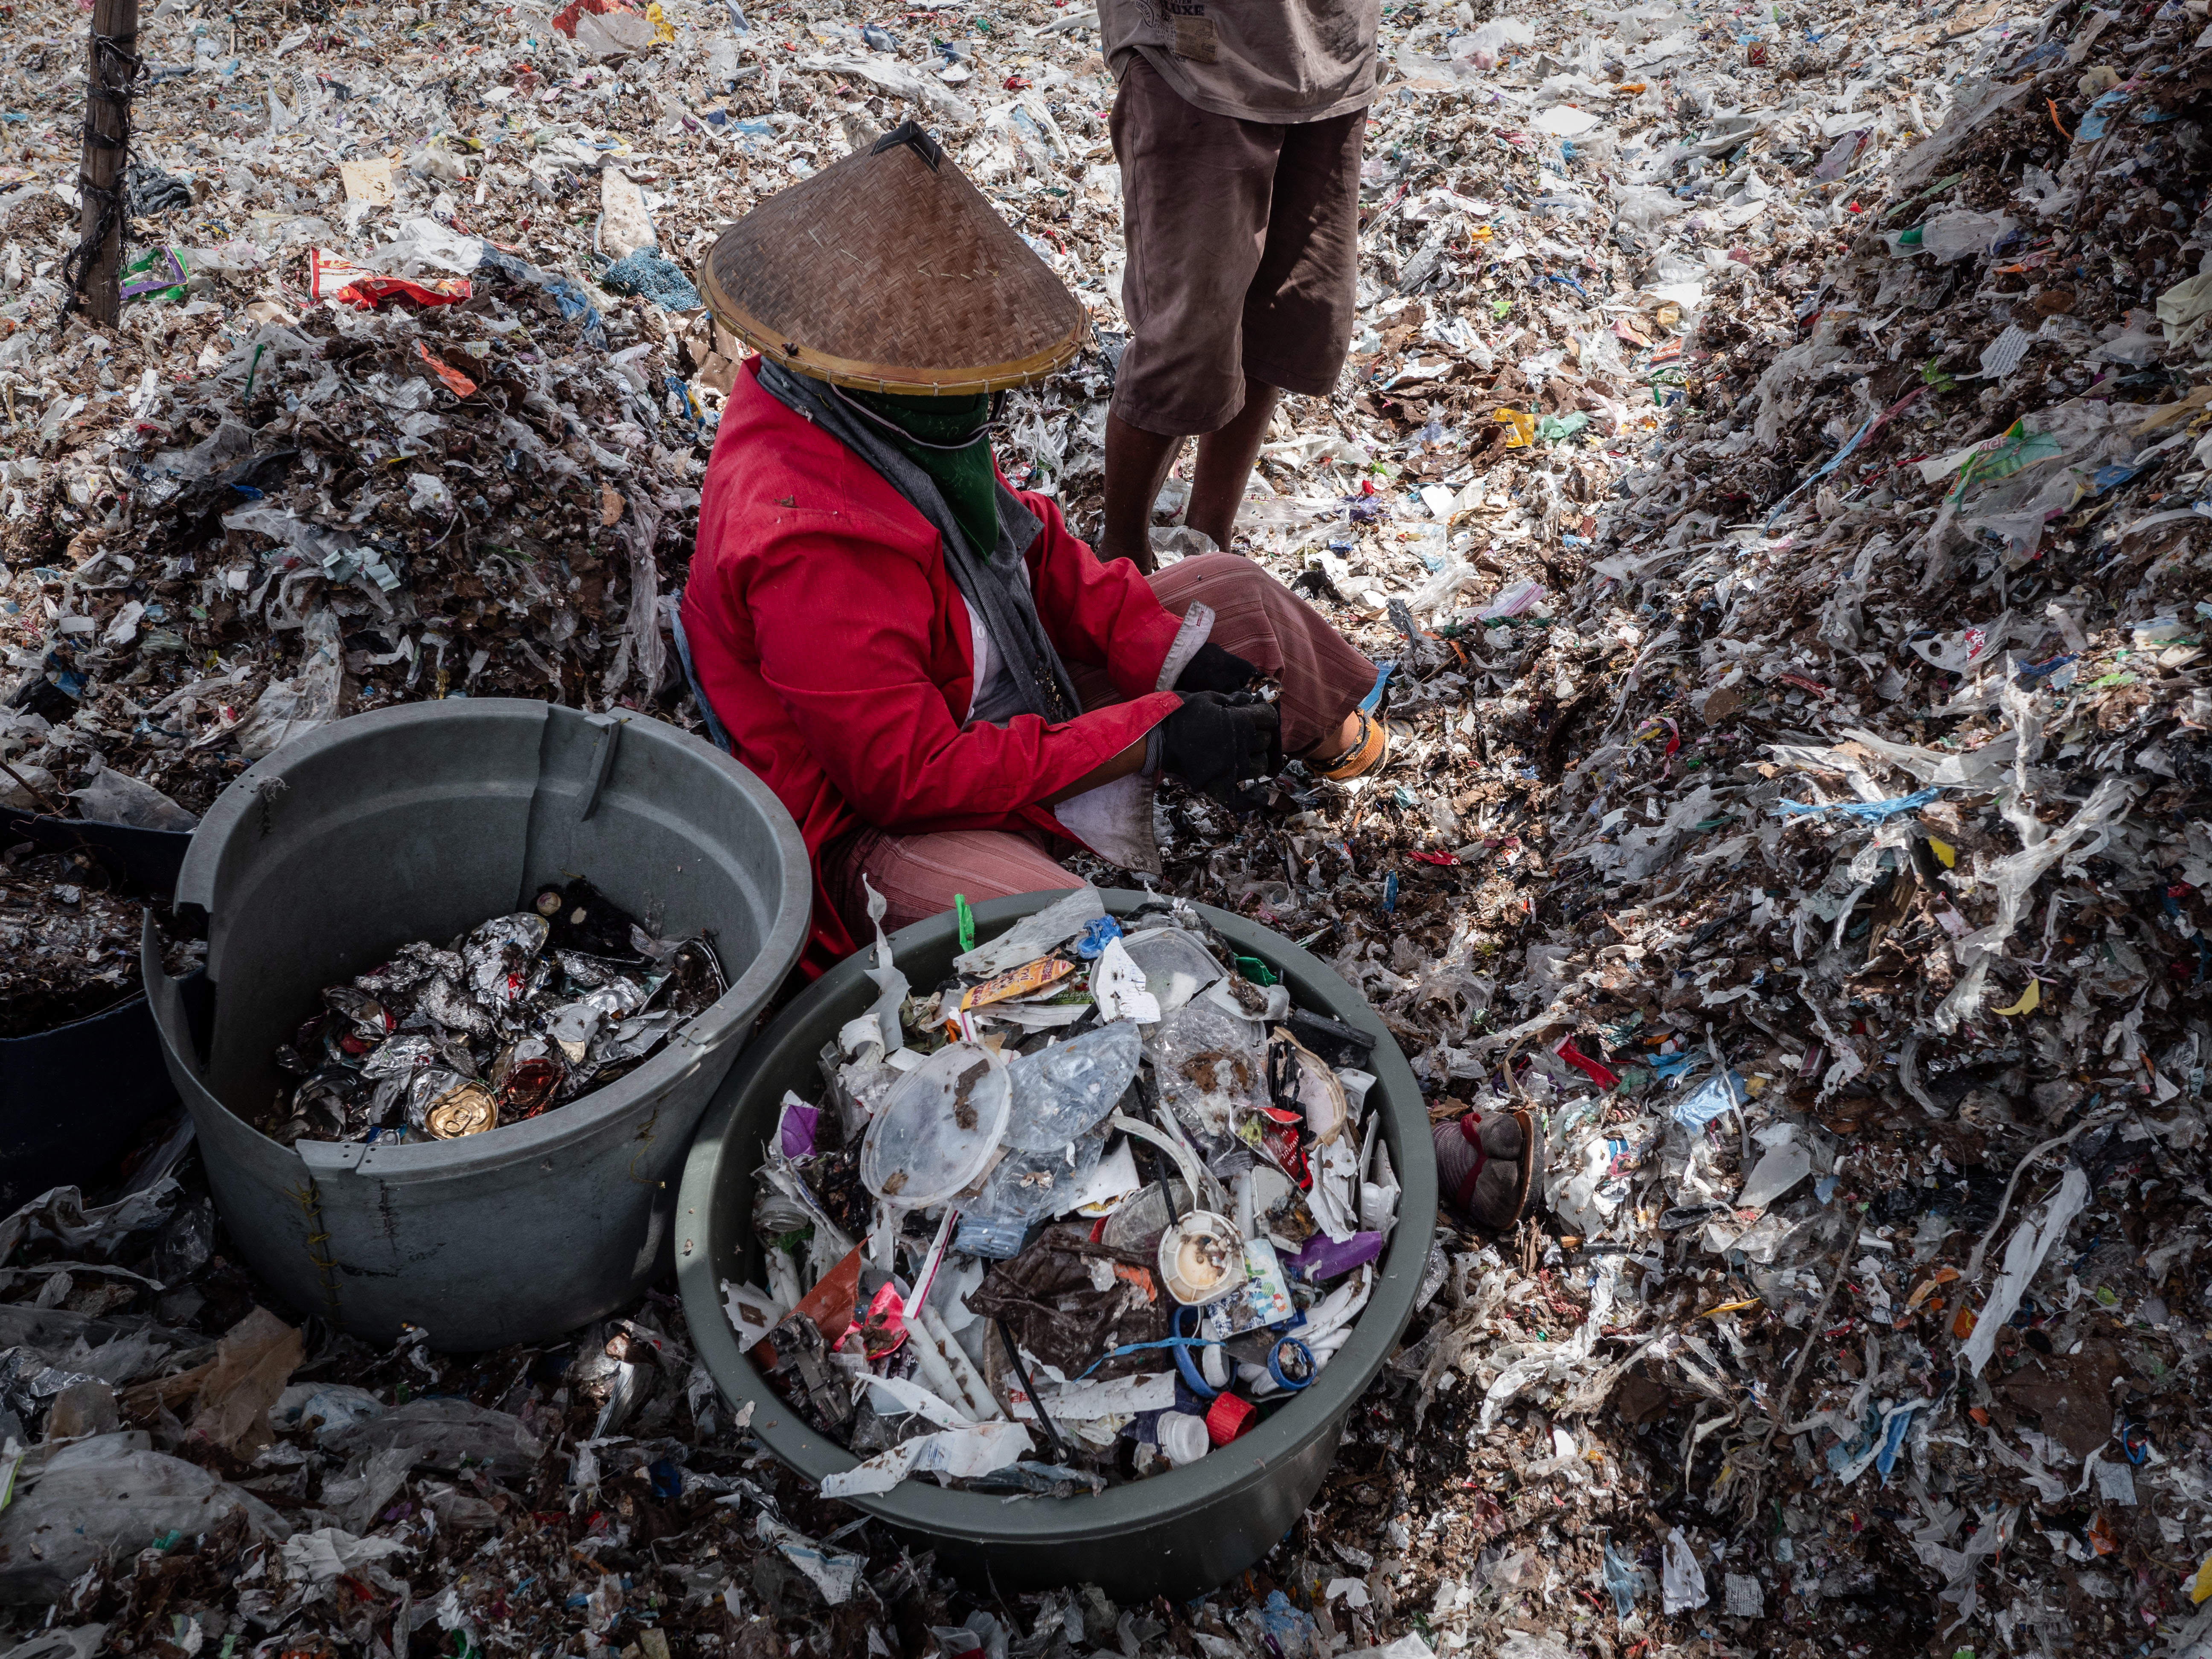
(887,273)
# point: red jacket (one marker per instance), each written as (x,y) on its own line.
(833,644)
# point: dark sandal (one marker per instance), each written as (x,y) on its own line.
(1473,1145)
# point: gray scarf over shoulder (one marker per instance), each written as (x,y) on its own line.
(991,582)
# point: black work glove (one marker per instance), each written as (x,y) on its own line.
(1215,741)
(1215,670)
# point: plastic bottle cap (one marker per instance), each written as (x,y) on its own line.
(1184,1437)
(1228,1416)
(1291,1364)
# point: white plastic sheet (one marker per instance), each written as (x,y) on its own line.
(976,1449)
(1682,1581)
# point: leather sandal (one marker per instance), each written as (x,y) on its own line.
(1367,753)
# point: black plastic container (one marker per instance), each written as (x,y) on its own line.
(75,1098)
(144,862)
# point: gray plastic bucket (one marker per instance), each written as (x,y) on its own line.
(1177,1534)
(418,822)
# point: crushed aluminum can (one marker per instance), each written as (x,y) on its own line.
(370,1020)
(412,967)
(424,1089)
(321,1107)
(526,1079)
(467,1108)
(513,1010)
(634,1038)
(443,1002)
(501,958)
(694,978)
(573,1026)
(399,1056)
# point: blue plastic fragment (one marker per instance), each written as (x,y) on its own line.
(1874,811)
(1708,1101)
(1095,936)
(1625,1579)
(1886,1458)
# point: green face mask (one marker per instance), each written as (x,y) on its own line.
(925,429)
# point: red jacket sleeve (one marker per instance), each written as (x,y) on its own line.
(843,632)
(1104,615)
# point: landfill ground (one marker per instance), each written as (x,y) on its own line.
(1775,454)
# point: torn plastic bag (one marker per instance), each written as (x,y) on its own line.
(1068,1300)
(832,1571)
(1034,934)
(1683,1581)
(963,1453)
(112,1492)
(2032,1242)
(1060,1093)
(441,1432)
(1118,987)
(1208,1067)
(1175,964)
(1028,1186)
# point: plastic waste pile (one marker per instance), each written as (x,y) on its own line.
(1106,1195)
(386,417)
(76,959)
(1877,851)
(1767,458)
(523,1013)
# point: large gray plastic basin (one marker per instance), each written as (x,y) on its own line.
(1177,1534)
(418,822)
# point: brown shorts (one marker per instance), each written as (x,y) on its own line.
(1243,243)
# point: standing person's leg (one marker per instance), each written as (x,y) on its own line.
(1195,191)
(918,875)
(1324,677)
(1224,464)
(1137,463)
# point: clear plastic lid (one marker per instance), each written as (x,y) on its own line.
(938,1126)
(1175,963)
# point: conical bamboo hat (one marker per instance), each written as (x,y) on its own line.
(889,270)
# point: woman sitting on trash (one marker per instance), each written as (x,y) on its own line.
(944,686)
